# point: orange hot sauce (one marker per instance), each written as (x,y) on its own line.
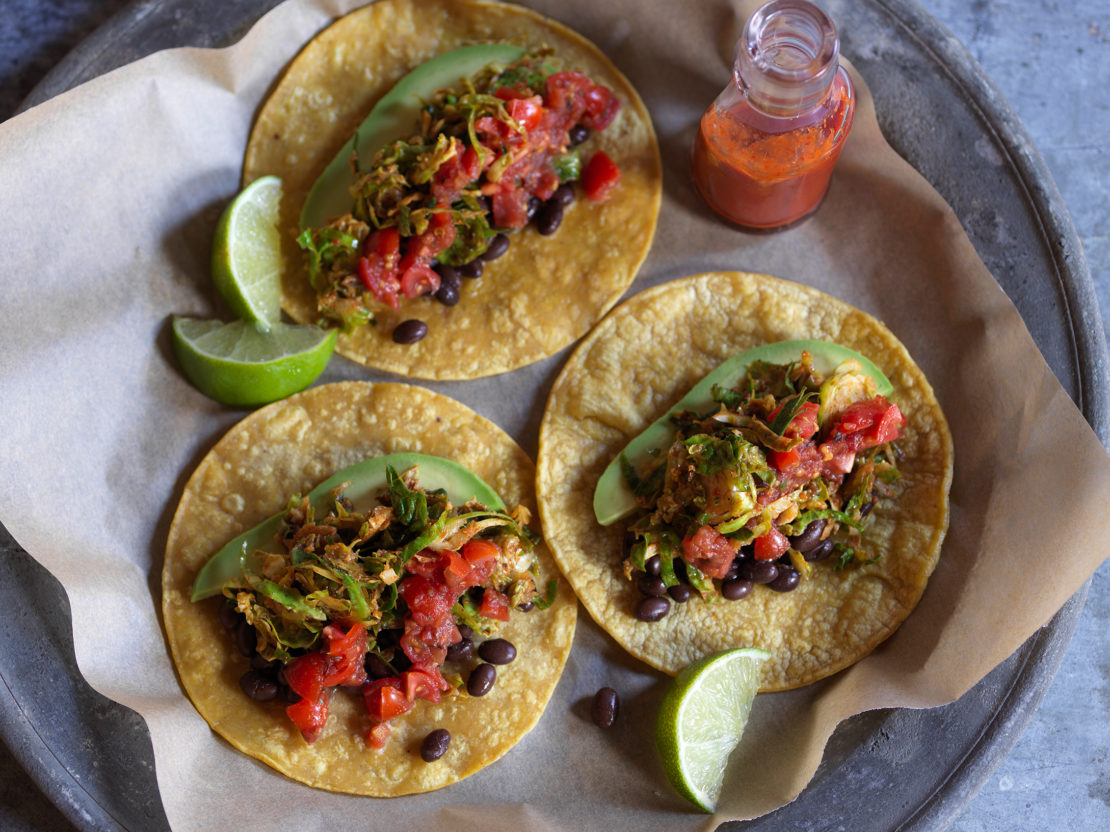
(765,149)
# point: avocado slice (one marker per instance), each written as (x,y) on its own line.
(613,498)
(364,478)
(395,116)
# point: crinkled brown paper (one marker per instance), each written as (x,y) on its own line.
(108,199)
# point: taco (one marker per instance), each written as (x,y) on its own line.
(365,605)
(549,288)
(634,367)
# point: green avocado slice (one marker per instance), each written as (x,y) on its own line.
(364,478)
(395,116)
(613,499)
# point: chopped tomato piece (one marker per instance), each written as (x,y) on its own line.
(424,682)
(600,177)
(309,715)
(385,699)
(868,423)
(379,280)
(771,545)
(527,112)
(510,207)
(804,423)
(346,654)
(709,550)
(418,279)
(601,107)
(428,600)
(305,675)
(494,605)
(378,735)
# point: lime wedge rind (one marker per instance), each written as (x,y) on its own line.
(702,719)
(242,365)
(246,253)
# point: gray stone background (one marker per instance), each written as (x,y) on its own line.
(1051,61)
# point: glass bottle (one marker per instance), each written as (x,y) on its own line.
(765,149)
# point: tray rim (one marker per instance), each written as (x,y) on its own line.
(1041,655)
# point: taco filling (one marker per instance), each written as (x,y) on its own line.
(390,603)
(500,150)
(780,474)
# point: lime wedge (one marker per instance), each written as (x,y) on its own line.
(246,253)
(702,718)
(239,364)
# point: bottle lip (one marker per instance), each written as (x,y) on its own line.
(787,57)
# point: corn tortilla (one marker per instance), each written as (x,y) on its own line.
(289,447)
(631,369)
(547,291)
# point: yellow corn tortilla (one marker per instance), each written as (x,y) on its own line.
(289,447)
(630,370)
(546,291)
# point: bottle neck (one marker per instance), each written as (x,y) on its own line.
(787,58)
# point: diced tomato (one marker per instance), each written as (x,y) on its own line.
(783,460)
(310,716)
(601,107)
(419,279)
(378,280)
(454,174)
(346,652)
(494,605)
(305,675)
(510,207)
(771,545)
(709,550)
(527,112)
(423,682)
(600,177)
(439,234)
(482,555)
(385,699)
(803,425)
(378,735)
(456,571)
(564,96)
(386,243)
(428,600)
(863,424)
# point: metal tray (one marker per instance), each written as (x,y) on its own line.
(93,757)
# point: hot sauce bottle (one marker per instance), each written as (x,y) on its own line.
(766,147)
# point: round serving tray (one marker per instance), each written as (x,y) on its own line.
(900,769)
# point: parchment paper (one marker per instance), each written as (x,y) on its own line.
(108,200)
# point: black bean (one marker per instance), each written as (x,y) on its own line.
(653,609)
(653,565)
(865,509)
(466,632)
(744,553)
(460,650)
(378,669)
(810,537)
(497,651)
(449,284)
(410,331)
(578,134)
(680,593)
(606,707)
(787,580)
(435,745)
(472,269)
(258,686)
(267,666)
(481,680)
(733,572)
(527,606)
(564,194)
(245,638)
(534,203)
(821,551)
(549,217)
(497,247)
(736,588)
(652,585)
(229,617)
(759,571)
